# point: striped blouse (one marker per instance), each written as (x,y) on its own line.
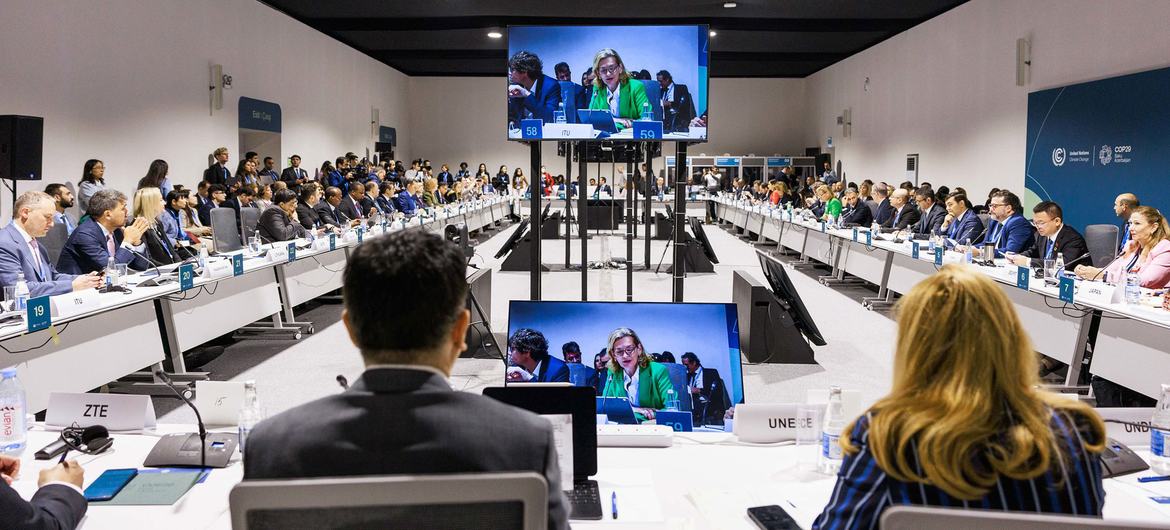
(864,490)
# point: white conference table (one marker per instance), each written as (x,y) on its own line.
(1129,348)
(122,333)
(704,481)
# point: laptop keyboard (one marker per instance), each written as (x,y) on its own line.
(584,501)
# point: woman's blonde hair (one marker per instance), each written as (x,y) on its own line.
(148,204)
(602,55)
(430,184)
(966,393)
(822,190)
(621,333)
(1161,228)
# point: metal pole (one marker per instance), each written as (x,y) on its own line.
(680,216)
(568,198)
(647,178)
(582,214)
(535,190)
(630,222)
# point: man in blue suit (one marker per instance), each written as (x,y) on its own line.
(102,236)
(405,201)
(1008,229)
(531,94)
(530,361)
(20,254)
(962,225)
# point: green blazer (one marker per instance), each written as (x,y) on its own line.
(631,97)
(653,383)
(833,208)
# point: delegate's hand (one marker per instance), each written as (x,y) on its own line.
(1022,261)
(695,390)
(69,471)
(730,414)
(1130,247)
(517,91)
(625,122)
(133,233)
(947,221)
(1086,272)
(9,468)
(92,280)
(647,412)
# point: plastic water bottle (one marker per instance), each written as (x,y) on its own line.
(255,243)
(203,257)
(830,461)
(20,293)
(1160,434)
(647,114)
(111,272)
(1133,288)
(13,404)
(250,413)
(559,115)
(1059,266)
(968,252)
(671,402)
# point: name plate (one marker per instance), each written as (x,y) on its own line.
(566,130)
(676,420)
(869,238)
(765,422)
(914,249)
(647,130)
(237,264)
(38,314)
(531,129)
(1127,434)
(292,250)
(855,234)
(76,302)
(117,412)
(822,226)
(219,402)
(361,234)
(1023,276)
(186,276)
(1067,289)
(277,254)
(938,255)
(1099,293)
(215,269)
(332,241)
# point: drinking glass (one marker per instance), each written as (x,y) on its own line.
(808,435)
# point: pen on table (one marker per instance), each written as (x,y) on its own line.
(613,504)
(1154,479)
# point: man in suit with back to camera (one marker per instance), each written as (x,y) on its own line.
(63,199)
(529,359)
(402,416)
(904,215)
(20,253)
(855,212)
(1008,230)
(881,194)
(218,172)
(931,214)
(58,504)
(293,175)
(961,225)
(102,236)
(677,106)
(531,93)
(1056,238)
(709,398)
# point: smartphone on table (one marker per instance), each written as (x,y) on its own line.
(109,484)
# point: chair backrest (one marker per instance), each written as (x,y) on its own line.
(1102,241)
(984,218)
(931,518)
(481,500)
(579,374)
(678,379)
(249,219)
(873,207)
(654,97)
(224,231)
(54,241)
(569,92)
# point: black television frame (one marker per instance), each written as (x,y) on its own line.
(514,239)
(701,237)
(786,294)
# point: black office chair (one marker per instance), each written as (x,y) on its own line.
(224,232)
(54,241)
(1102,241)
(249,219)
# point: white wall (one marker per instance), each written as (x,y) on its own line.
(946,89)
(126,81)
(462,119)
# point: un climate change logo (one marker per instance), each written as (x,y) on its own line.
(1105,155)
(1058,156)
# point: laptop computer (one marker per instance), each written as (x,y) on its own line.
(617,409)
(601,120)
(584,498)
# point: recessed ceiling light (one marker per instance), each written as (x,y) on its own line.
(729,5)
(495,34)
(713,33)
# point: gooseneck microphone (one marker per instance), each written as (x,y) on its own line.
(166,379)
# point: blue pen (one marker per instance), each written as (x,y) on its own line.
(1154,479)
(613,504)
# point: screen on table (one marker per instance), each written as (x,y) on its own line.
(670,333)
(622,82)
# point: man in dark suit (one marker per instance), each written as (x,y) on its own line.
(855,212)
(64,200)
(367,201)
(351,205)
(405,201)
(402,416)
(218,172)
(216,197)
(58,504)
(1008,230)
(243,199)
(21,254)
(1056,238)
(962,225)
(530,361)
(931,214)
(307,213)
(709,398)
(881,194)
(678,109)
(904,215)
(101,236)
(327,209)
(293,175)
(531,94)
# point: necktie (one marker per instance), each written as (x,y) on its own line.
(1048,252)
(110,245)
(166,242)
(37,258)
(897,215)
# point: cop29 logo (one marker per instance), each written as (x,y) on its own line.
(1105,155)
(1058,156)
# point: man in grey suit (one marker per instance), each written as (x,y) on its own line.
(20,253)
(932,214)
(402,416)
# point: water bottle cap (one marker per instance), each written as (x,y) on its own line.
(8,373)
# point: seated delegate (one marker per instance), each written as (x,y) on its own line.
(402,416)
(160,248)
(102,236)
(1056,239)
(615,91)
(929,442)
(21,254)
(632,375)
(529,359)
(58,503)
(1147,253)
(279,222)
(1007,230)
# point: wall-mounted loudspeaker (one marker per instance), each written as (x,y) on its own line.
(20,147)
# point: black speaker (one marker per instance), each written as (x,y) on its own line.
(20,147)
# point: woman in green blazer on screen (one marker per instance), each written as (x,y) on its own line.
(634,376)
(613,82)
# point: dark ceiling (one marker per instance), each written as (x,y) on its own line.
(757,38)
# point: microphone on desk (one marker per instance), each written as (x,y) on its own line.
(158,279)
(178,450)
(166,379)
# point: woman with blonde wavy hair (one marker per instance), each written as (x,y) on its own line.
(966,425)
(633,376)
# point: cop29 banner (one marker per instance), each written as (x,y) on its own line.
(1091,141)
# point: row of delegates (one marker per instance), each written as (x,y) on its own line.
(22,256)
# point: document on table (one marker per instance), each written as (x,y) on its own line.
(163,489)
(563,440)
